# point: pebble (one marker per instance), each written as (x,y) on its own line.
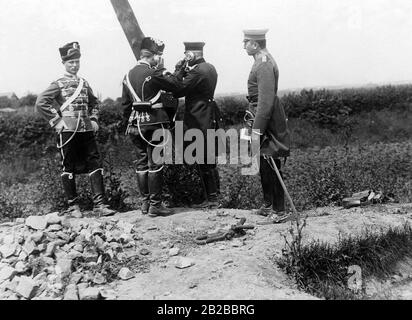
(183,263)
(71,293)
(7,273)
(144,252)
(125,274)
(174,252)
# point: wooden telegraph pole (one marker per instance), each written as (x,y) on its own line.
(129,24)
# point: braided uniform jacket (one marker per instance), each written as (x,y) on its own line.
(78,114)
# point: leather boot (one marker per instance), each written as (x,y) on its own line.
(217,179)
(155,189)
(209,182)
(267,179)
(97,185)
(143,182)
(69,187)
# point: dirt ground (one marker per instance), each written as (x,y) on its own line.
(243,268)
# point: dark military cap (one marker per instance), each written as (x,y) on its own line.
(255,34)
(194,46)
(70,51)
(155,46)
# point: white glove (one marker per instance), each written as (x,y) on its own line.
(60,126)
(95,126)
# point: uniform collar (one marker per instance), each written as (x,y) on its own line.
(142,62)
(71,76)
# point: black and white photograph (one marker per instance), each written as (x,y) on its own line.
(205,156)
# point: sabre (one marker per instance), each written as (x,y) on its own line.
(129,24)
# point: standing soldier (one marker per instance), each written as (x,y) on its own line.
(199,79)
(145,95)
(76,122)
(270,130)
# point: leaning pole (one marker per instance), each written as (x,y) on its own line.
(129,24)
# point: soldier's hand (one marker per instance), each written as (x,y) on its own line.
(180,64)
(59,126)
(95,126)
(255,141)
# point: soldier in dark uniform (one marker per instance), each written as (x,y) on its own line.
(199,79)
(270,125)
(75,121)
(146,97)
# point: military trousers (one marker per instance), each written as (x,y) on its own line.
(79,155)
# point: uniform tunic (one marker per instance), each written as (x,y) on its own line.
(264,103)
(85,106)
(79,149)
(147,82)
(198,88)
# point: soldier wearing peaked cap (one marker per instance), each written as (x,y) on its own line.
(270,129)
(75,121)
(199,80)
(147,98)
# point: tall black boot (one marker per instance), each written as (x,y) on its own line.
(209,182)
(143,182)
(99,200)
(278,192)
(155,190)
(267,179)
(217,179)
(69,187)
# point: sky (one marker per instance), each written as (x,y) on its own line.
(315,43)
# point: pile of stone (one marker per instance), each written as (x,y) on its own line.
(37,255)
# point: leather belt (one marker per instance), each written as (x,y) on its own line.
(75,114)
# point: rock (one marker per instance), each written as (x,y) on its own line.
(51,236)
(126,238)
(64,236)
(64,267)
(8,250)
(90,255)
(65,222)
(152,228)
(26,287)
(174,252)
(30,247)
(8,239)
(12,284)
(144,252)
(89,293)
(54,228)
(127,227)
(51,247)
(78,247)
(76,277)
(20,220)
(183,263)
(7,273)
(40,278)
(99,279)
(77,214)
(36,222)
(73,254)
(60,254)
(100,244)
(20,267)
(37,236)
(125,274)
(71,293)
(97,231)
(108,294)
(53,218)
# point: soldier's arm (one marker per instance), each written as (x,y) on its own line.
(44,104)
(167,82)
(94,105)
(190,81)
(127,102)
(266,81)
